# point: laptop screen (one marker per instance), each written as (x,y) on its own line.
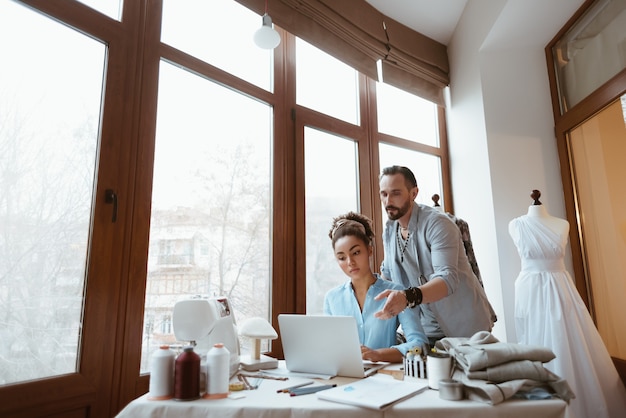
(325,345)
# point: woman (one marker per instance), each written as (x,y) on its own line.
(351,236)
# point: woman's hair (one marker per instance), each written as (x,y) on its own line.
(354,224)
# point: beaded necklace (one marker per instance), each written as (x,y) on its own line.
(402,243)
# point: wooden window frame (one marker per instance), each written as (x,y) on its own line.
(111,351)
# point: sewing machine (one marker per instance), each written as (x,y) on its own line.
(203,322)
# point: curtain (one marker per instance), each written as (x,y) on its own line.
(359,35)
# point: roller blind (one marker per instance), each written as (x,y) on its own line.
(359,35)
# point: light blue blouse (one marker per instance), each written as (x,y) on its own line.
(373,332)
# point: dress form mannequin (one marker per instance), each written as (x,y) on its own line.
(550,312)
(539,211)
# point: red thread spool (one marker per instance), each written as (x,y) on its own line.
(187,375)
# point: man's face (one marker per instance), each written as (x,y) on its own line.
(395,196)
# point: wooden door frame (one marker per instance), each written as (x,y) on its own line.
(612,90)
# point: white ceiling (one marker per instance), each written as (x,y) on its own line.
(436,19)
(520,23)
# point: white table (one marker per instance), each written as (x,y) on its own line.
(265,402)
(428,405)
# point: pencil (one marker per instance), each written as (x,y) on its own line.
(293,387)
(306,391)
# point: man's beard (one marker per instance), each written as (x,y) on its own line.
(400,211)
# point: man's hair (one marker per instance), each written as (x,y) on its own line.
(409,177)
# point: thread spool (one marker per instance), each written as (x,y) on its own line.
(187,375)
(450,389)
(218,372)
(438,367)
(161,374)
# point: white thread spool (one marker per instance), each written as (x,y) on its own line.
(218,372)
(437,368)
(162,374)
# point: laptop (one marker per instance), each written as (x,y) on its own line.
(323,345)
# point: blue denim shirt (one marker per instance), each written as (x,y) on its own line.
(373,332)
(435,249)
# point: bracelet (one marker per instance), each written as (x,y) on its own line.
(413,296)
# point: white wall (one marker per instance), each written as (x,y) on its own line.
(501,132)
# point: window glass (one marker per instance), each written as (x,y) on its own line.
(111,8)
(331,184)
(597,148)
(326,84)
(597,37)
(406,115)
(219,32)
(50,99)
(210,223)
(426,167)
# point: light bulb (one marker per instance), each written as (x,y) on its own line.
(266,37)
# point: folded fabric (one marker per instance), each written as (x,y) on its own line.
(534,394)
(495,393)
(519,369)
(484,350)
(492,371)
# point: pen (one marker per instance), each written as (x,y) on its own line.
(247,384)
(306,391)
(290,388)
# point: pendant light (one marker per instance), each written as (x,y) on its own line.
(266,37)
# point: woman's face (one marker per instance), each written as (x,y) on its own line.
(353,256)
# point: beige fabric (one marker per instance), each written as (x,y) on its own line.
(492,371)
(484,350)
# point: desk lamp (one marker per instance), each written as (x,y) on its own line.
(258,329)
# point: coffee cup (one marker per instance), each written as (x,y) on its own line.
(438,367)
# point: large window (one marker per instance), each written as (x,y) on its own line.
(210,226)
(332,189)
(325,84)
(149,151)
(48,143)
(218,32)
(406,115)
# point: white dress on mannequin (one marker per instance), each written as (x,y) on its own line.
(550,312)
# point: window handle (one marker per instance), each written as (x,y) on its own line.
(111,198)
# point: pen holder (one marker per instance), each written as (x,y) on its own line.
(415,366)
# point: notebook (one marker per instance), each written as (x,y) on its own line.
(378,392)
(323,345)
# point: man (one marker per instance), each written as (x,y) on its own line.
(424,253)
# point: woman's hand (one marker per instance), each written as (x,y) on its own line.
(396,302)
(371,355)
(391,355)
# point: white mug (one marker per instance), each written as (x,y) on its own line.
(438,366)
